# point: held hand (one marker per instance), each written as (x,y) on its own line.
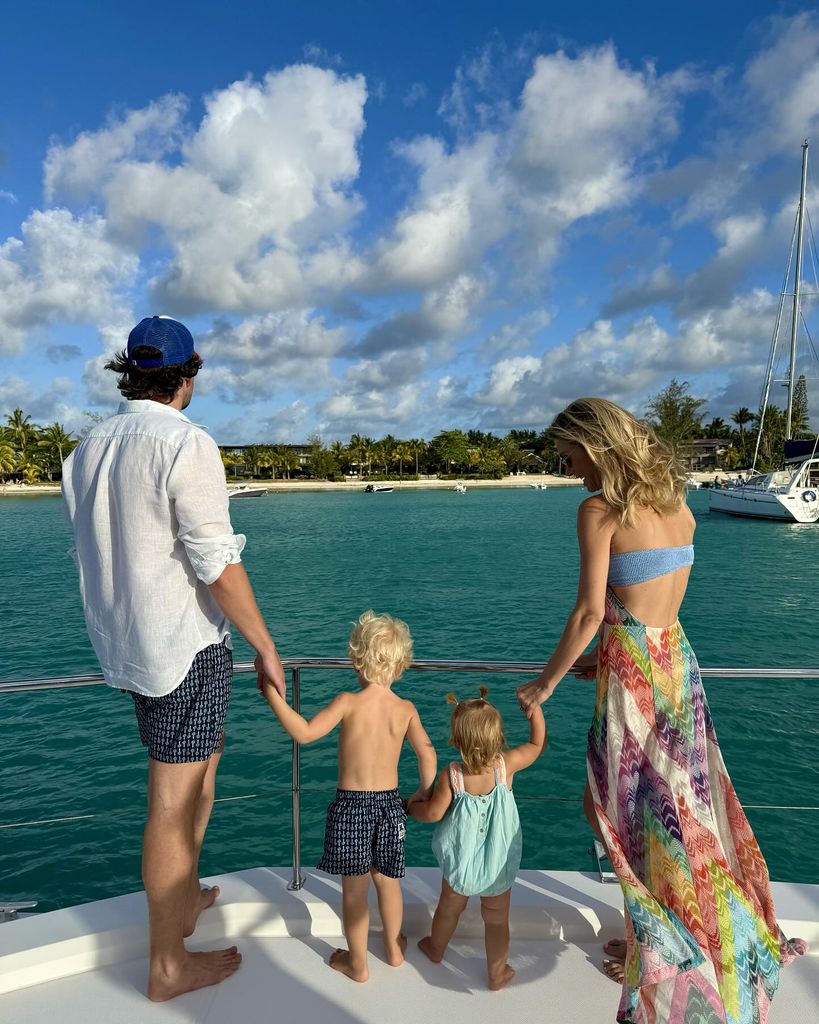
(269,670)
(532,695)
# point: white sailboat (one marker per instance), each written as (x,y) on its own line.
(791,493)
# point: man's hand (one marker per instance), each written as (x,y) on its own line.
(269,669)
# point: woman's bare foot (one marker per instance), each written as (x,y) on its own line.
(394,951)
(197,970)
(616,948)
(340,961)
(615,969)
(208,895)
(425,945)
(503,979)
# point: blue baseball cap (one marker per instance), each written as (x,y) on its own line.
(172,341)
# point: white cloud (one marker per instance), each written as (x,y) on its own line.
(63,269)
(416,92)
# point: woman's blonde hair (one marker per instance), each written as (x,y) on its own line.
(636,468)
(477,731)
(380,648)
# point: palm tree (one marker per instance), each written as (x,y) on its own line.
(418,448)
(401,454)
(31,471)
(229,459)
(340,455)
(22,430)
(8,459)
(57,444)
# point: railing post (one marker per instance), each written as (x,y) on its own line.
(297,881)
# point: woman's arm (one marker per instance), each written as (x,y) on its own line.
(521,757)
(436,807)
(297,727)
(595,526)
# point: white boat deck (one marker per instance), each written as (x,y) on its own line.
(89,962)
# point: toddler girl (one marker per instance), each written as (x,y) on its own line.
(478,843)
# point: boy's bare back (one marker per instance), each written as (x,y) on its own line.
(374,724)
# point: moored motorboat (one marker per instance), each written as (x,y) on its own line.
(246,492)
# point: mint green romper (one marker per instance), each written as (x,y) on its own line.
(479,842)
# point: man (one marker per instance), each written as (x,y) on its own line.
(161,581)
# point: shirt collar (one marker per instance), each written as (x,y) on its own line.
(148,405)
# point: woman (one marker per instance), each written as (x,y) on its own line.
(702,943)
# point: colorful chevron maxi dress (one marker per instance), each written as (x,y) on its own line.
(703,945)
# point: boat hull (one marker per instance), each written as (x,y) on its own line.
(759,504)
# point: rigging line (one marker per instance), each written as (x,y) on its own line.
(526,797)
(810,339)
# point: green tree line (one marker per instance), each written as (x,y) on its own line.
(32,452)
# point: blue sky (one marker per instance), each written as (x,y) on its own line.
(400,217)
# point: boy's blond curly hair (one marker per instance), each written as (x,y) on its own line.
(380,648)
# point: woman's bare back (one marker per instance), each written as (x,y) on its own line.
(655,602)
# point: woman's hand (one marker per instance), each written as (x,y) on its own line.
(585,667)
(532,695)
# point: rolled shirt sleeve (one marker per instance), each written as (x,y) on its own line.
(197,488)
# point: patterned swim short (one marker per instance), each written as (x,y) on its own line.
(365,831)
(187,724)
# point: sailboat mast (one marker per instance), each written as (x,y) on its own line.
(800,231)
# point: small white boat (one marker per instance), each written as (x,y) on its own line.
(459,488)
(377,489)
(247,492)
(539,487)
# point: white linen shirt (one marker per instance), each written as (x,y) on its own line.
(146,496)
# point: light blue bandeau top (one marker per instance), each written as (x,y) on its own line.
(638,566)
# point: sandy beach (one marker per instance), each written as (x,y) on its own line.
(538,480)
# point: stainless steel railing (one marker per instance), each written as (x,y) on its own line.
(296,665)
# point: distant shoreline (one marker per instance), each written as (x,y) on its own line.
(531,481)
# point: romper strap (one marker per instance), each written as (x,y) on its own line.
(456,777)
(500,770)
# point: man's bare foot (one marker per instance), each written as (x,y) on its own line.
(503,979)
(341,961)
(394,952)
(614,969)
(616,948)
(425,945)
(197,970)
(208,895)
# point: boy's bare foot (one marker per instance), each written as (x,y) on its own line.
(425,945)
(614,969)
(208,895)
(340,961)
(503,979)
(616,948)
(197,970)
(394,952)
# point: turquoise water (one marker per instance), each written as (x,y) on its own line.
(488,575)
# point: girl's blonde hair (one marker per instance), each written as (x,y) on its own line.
(636,468)
(477,731)
(380,648)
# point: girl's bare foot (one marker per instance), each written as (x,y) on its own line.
(208,895)
(340,961)
(425,945)
(395,951)
(197,970)
(503,979)
(614,969)
(616,948)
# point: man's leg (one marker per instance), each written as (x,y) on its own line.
(199,900)
(391,909)
(168,859)
(356,914)
(451,905)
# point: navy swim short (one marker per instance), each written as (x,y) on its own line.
(365,831)
(187,724)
